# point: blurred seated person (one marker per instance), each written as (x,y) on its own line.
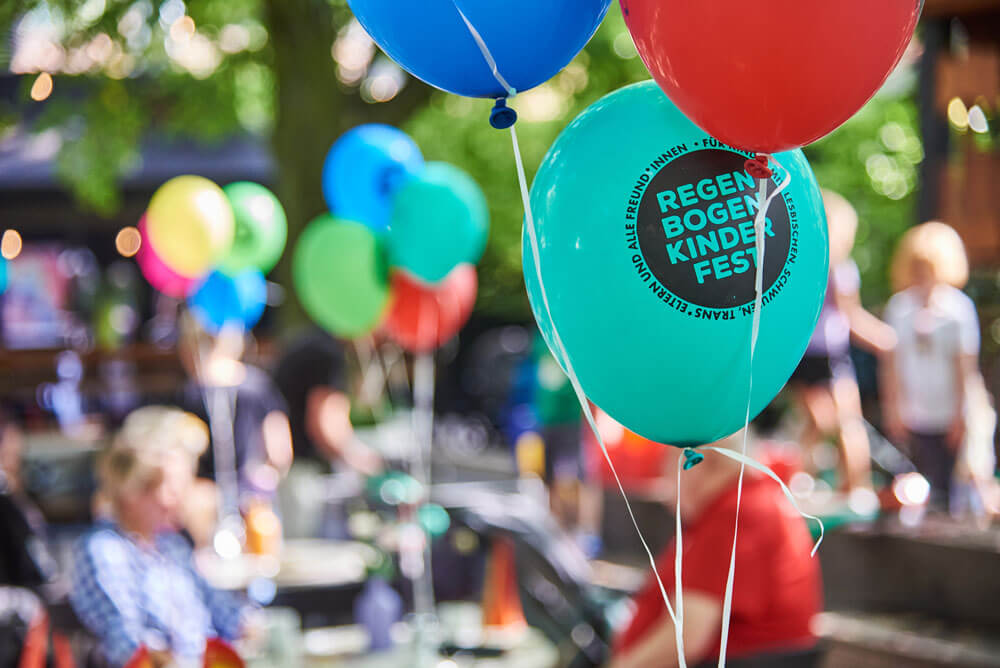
(777,584)
(134,582)
(312,375)
(252,404)
(25,560)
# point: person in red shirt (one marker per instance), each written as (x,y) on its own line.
(777,587)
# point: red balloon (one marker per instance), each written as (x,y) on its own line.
(770,75)
(637,460)
(422,317)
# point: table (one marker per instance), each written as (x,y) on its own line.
(344,647)
(319,579)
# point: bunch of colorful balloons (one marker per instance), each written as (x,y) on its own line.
(399,247)
(212,246)
(654,208)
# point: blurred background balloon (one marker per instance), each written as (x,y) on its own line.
(423,317)
(530,40)
(638,461)
(341,276)
(364,168)
(439,220)
(658,333)
(190,224)
(156,272)
(223,300)
(773,79)
(261,228)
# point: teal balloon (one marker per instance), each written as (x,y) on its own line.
(645,228)
(433,519)
(261,229)
(4,274)
(439,220)
(340,275)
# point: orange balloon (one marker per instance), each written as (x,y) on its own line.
(422,317)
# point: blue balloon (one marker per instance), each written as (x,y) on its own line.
(4,274)
(530,40)
(363,170)
(223,299)
(645,229)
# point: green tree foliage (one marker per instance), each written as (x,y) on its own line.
(271,67)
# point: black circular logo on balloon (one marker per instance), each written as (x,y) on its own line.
(695,229)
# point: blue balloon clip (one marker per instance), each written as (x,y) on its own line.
(502,116)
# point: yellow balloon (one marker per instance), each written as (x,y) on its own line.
(190,224)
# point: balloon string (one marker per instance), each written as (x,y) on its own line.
(490,60)
(679,564)
(754,464)
(423,428)
(581,397)
(763,203)
(560,348)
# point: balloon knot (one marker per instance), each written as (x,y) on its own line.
(757,167)
(502,116)
(692,458)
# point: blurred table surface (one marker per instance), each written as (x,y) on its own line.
(460,623)
(303,563)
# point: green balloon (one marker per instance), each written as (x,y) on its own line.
(261,229)
(341,276)
(439,220)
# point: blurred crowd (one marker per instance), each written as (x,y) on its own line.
(207,472)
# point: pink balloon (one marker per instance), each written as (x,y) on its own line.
(159,275)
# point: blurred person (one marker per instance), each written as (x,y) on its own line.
(134,581)
(25,559)
(777,588)
(824,383)
(927,377)
(976,490)
(312,376)
(262,438)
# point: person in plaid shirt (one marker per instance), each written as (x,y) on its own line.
(134,583)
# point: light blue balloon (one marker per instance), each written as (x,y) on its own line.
(646,251)
(222,299)
(4,274)
(530,40)
(363,170)
(439,220)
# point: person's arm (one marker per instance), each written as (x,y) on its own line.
(277,435)
(658,649)
(329,413)
(888,377)
(103,599)
(867,331)
(229,614)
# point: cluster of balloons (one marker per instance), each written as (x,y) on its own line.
(645,207)
(398,249)
(212,246)
(645,211)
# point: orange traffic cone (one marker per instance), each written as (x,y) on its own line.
(501,601)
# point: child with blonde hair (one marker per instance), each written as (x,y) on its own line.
(134,582)
(926,378)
